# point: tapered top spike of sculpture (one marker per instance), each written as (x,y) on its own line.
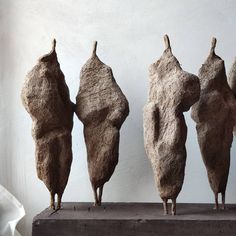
(213,46)
(167,42)
(45,96)
(172,91)
(95,49)
(54,44)
(214,115)
(102,107)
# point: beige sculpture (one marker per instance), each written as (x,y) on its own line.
(232,77)
(214,117)
(172,92)
(102,107)
(232,82)
(45,96)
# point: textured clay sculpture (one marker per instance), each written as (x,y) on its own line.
(232,78)
(214,117)
(45,96)
(172,92)
(232,83)
(102,107)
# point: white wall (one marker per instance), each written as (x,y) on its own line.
(130,37)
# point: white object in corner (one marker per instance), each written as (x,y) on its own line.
(11,211)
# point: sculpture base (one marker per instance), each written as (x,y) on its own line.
(116,219)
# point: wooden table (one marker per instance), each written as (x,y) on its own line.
(128,219)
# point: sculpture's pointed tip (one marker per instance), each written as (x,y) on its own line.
(51,55)
(54,42)
(213,45)
(94,48)
(167,42)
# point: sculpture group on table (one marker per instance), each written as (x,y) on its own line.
(100,105)
(102,108)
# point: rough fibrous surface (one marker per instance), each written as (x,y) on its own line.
(172,92)
(232,78)
(232,83)
(102,107)
(214,117)
(45,96)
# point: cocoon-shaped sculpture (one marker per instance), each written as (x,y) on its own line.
(102,107)
(214,115)
(232,77)
(172,92)
(45,96)
(232,82)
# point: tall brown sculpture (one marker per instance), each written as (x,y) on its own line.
(232,77)
(102,107)
(172,92)
(214,117)
(232,83)
(45,96)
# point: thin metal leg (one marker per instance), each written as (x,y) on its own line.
(100,195)
(173,207)
(59,201)
(52,203)
(95,196)
(216,202)
(165,206)
(223,201)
